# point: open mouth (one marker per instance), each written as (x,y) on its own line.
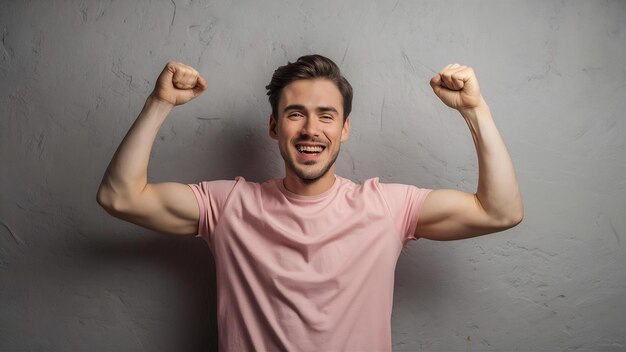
(309,149)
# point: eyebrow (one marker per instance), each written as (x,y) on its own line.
(319,108)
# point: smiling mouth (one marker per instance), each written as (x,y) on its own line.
(310,149)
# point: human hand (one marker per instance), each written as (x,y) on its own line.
(457,87)
(178,84)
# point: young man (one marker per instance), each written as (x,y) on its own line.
(306,262)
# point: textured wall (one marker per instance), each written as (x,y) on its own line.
(74,75)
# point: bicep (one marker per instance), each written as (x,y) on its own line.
(451,215)
(165,207)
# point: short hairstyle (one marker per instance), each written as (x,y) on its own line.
(309,67)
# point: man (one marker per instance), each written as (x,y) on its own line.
(306,262)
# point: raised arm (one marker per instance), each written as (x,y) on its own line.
(124,191)
(497,203)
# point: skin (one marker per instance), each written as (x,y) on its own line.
(497,204)
(124,192)
(311,114)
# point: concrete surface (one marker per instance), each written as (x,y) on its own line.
(74,75)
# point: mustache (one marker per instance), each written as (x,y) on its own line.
(310,140)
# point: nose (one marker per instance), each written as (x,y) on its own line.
(310,126)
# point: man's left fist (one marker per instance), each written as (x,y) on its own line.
(456,85)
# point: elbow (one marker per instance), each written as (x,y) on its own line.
(516,219)
(102,198)
(505,216)
(110,201)
(512,219)
(106,200)
(518,214)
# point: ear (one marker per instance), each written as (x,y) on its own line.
(273,133)
(345,130)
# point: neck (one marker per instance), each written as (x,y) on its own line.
(295,184)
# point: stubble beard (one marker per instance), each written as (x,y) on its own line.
(311,177)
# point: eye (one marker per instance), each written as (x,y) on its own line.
(294,115)
(326,117)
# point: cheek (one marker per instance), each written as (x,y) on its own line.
(334,134)
(285,135)
(284,127)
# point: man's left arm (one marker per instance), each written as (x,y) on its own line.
(497,204)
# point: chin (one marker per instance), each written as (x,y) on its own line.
(310,176)
(309,171)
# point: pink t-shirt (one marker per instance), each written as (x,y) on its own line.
(305,273)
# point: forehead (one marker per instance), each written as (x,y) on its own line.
(311,93)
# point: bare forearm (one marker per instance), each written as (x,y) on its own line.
(498,190)
(127,174)
(497,204)
(128,171)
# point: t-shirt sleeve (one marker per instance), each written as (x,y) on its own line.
(405,203)
(212,197)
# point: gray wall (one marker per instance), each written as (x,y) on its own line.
(74,75)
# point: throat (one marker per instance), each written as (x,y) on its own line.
(309,186)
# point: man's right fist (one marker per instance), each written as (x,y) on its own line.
(178,84)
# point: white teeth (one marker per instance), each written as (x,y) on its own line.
(311,149)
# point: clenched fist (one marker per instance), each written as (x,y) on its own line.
(456,85)
(178,84)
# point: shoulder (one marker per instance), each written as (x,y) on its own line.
(216,185)
(375,185)
(347,184)
(395,194)
(224,188)
(368,190)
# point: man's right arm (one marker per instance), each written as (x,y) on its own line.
(124,191)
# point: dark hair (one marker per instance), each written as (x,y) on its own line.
(309,67)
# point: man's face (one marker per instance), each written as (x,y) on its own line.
(310,128)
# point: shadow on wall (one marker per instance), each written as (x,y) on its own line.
(237,144)
(181,315)
(418,277)
(186,310)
